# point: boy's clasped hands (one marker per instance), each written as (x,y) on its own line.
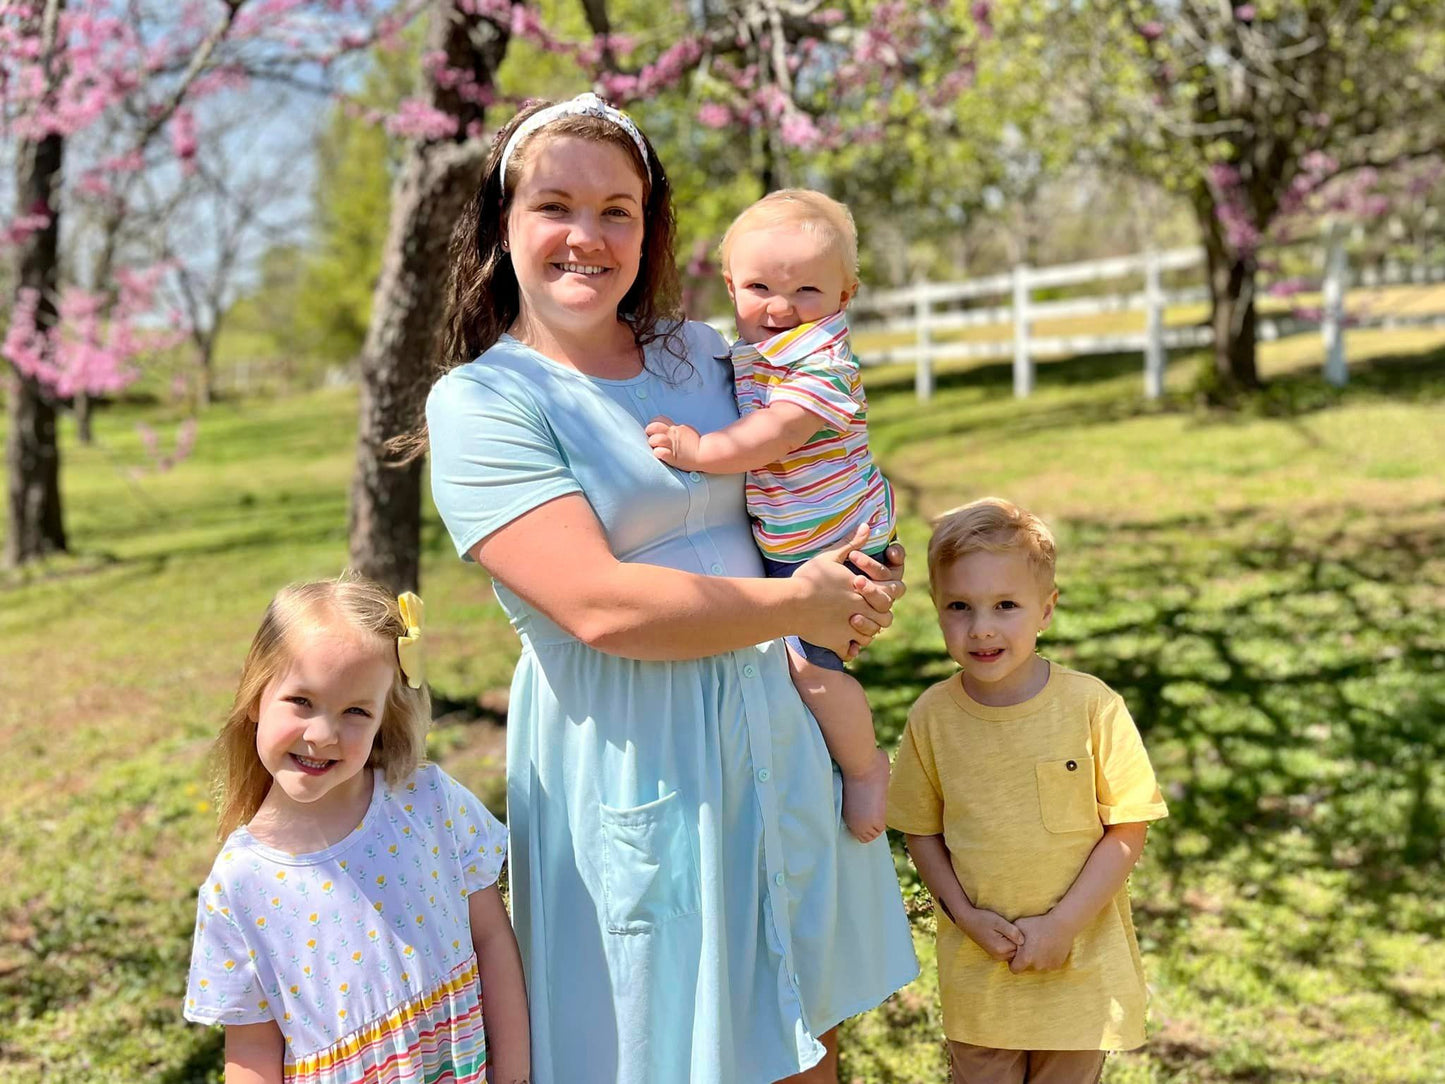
(1033,943)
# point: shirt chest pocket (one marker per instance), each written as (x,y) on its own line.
(1066,794)
(649,870)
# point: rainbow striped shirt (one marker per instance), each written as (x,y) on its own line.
(814,498)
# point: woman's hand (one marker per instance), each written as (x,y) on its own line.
(842,610)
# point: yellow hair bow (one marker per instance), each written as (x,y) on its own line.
(408,647)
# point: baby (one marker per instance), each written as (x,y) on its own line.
(790,263)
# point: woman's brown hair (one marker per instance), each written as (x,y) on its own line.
(361,607)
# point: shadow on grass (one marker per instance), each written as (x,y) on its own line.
(1289,680)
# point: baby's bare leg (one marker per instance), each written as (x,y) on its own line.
(839,704)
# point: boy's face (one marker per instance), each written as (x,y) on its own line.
(991,608)
(781,277)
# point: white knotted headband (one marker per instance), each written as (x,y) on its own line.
(584,105)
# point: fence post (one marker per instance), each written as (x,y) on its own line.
(1023,364)
(922,315)
(1153,329)
(1332,323)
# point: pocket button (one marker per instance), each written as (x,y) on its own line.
(1072,765)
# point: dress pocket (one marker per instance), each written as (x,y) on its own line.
(649,869)
(1066,794)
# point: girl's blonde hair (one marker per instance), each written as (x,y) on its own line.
(994,525)
(357,604)
(810,211)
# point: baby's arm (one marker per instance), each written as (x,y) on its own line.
(504,989)
(255,1053)
(1048,938)
(993,933)
(750,443)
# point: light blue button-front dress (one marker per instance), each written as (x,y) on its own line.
(688,904)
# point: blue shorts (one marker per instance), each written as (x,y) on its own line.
(818,656)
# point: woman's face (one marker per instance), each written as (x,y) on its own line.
(575,229)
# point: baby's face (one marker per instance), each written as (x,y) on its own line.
(781,277)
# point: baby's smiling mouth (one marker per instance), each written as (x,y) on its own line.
(311,766)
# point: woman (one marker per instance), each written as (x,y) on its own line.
(688,906)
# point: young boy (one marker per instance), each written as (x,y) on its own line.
(1024,792)
(790,262)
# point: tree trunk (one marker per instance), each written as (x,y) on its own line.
(435,182)
(1232,294)
(83,407)
(32,456)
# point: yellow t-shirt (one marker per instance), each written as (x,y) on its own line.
(1021,795)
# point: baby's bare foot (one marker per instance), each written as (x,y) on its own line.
(865,800)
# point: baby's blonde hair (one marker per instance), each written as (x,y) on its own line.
(812,212)
(996,526)
(358,605)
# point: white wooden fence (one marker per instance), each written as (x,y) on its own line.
(927,308)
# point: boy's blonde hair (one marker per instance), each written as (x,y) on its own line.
(996,526)
(812,212)
(350,602)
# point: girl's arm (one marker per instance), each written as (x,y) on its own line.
(504,990)
(993,933)
(556,557)
(255,1053)
(750,443)
(1048,938)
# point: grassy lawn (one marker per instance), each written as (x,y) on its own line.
(1265,589)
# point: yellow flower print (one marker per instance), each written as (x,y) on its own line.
(286,1017)
(436,851)
(381,881)
(326,885)
(280,875)
(407,951)
(407,807)
(295,989)
(435,876)
(205,984)
(404,976)
(344,988)
(216,887)
(306,971)
(261,922)
(262,1004)
(311,944)
(210,910)
(356,957)
(391,849)
(251,953)
(313,918)
(456,944)
(341,1013)
(342,864)
(462,810)
(371,934)
(226,911)
(229,966)
(377,905)
(471,829)
(421,920)
(406,829)
(447,822)
(275,901)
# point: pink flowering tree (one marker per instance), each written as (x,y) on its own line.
(1265,114)
(94,98)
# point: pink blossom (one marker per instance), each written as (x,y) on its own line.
(713,115)
(417,119)
(798,130)
(1151,31)
(183,137)
(1244,13)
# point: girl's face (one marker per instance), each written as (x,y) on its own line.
(992,608)
(317,719)
(782,277)
(575,229)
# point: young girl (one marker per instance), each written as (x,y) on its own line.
(352,918)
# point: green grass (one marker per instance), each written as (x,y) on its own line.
(1263,587)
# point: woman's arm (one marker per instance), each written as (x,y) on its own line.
(504,989)
(255,1053)
(556,557)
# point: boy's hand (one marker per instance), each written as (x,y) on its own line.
(993,933)
(675,445)
(1046,945)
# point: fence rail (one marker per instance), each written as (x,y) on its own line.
(925,309)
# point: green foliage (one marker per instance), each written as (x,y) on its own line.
(1262,590)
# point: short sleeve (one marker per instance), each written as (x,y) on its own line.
(822,384)
(481,839)
(494,458)
(915,798)
(223,986)
(1124,779)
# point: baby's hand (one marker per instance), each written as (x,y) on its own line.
(676,445)
(1046,945)
(993,933)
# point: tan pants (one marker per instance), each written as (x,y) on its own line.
(984,1065)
